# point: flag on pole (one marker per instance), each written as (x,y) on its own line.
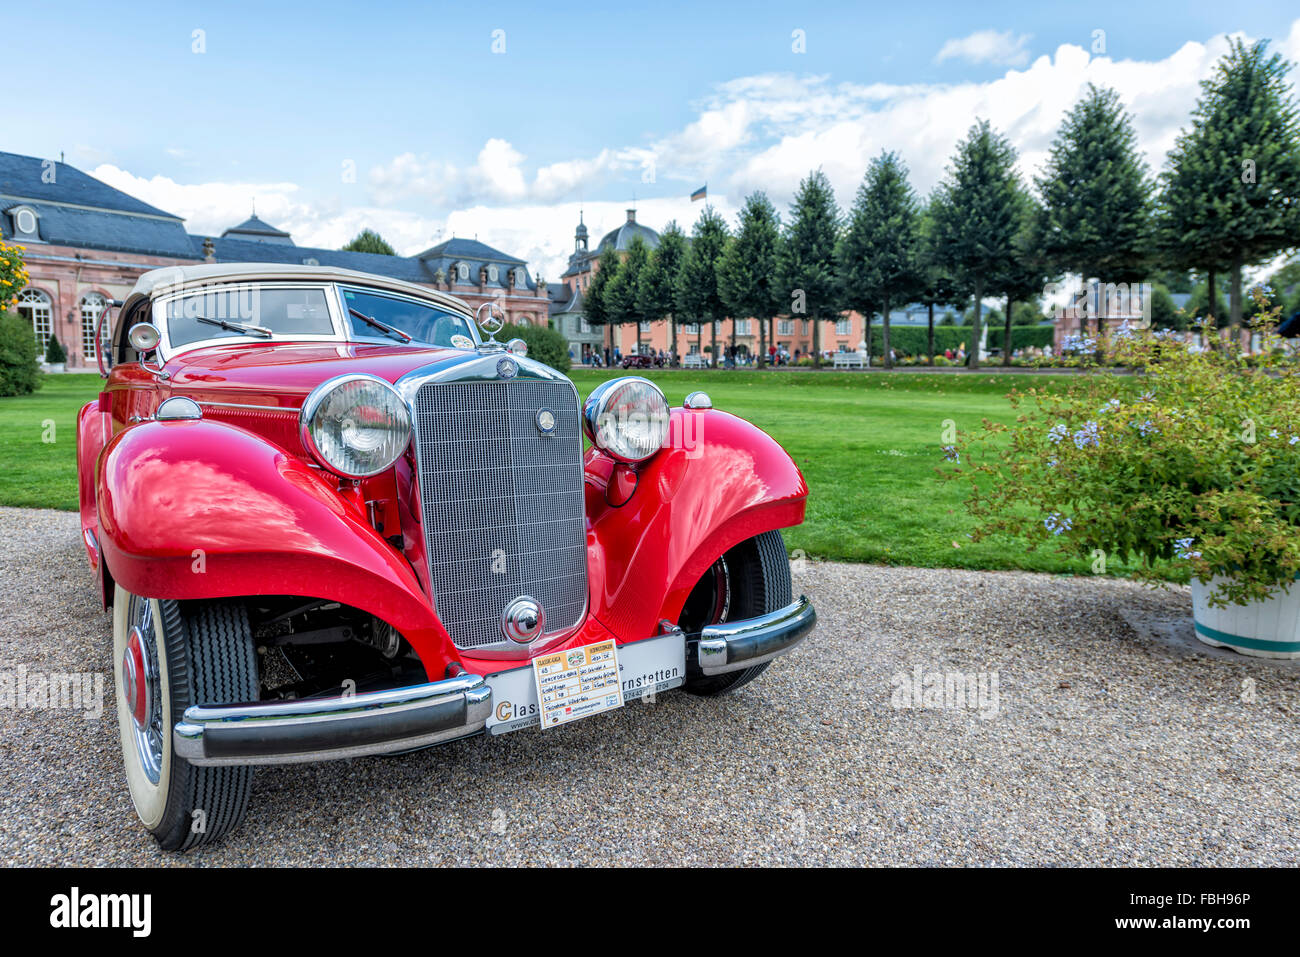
(700,193)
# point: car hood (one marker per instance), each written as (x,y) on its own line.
(281,374)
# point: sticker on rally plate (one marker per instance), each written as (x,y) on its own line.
(640,668)
(578,683)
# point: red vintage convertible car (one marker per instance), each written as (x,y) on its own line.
(332,521)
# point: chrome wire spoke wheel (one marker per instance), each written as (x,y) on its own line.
(141,686)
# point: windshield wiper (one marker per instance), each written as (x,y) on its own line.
(381,326)
(245,327)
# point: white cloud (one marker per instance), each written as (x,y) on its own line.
(497,176)
(988,46)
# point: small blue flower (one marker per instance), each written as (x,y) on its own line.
(1272,433)
(950,453)
(1293,440)
(1051,463)
(1056,523)
(1110,406)
(1183,548)
(1146,428)
(1057,432)
(1086,436)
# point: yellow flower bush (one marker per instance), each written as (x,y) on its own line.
(13,274)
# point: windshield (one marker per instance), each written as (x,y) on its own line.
(257,311)
(374,315)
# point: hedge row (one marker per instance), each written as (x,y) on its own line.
(912,340)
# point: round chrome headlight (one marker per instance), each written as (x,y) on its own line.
(627,418)
(355,425)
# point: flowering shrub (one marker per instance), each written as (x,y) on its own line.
(1194,459)
(13,274)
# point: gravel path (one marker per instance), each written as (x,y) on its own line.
(1117,739)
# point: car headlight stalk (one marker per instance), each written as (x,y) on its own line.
(627,418)
(355,425)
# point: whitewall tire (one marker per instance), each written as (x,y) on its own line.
(167,656)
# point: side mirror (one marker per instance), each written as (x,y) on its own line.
(144,338)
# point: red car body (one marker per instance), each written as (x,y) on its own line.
(228,514)
(238,488)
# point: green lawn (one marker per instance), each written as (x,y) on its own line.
(867,443)
(38,464)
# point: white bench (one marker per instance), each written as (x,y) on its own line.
(694,361)
(848,360)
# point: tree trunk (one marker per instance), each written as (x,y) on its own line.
(1234,306)
(762,341)
(1087,307)
(713,332)
(733,340)
(672,343)
(866,322)
(930,343)
(817,343)
(1210,290)
(973,354)
(1006,336)
(884,334)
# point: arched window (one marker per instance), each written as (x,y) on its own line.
(92,304)
(39,311)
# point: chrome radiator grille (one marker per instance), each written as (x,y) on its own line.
(502,503)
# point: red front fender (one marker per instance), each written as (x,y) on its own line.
(200,509)
(721,481)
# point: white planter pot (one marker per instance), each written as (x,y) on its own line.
(55,366)
(1265,629)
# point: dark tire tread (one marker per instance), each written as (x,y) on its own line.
(760,577)
(210,658)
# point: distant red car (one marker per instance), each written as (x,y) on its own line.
(641,362)
(333,521)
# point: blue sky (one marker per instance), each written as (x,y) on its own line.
(589,103)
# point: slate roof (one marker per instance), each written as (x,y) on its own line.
(79,210)
(476,255)
(621,237)
(467,249)
(564,303)
(22,177)
(257,230)
(103,229)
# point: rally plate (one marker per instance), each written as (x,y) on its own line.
(643,668)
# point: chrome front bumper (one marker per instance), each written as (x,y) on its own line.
(735,645)
(401,719)
(323,729)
